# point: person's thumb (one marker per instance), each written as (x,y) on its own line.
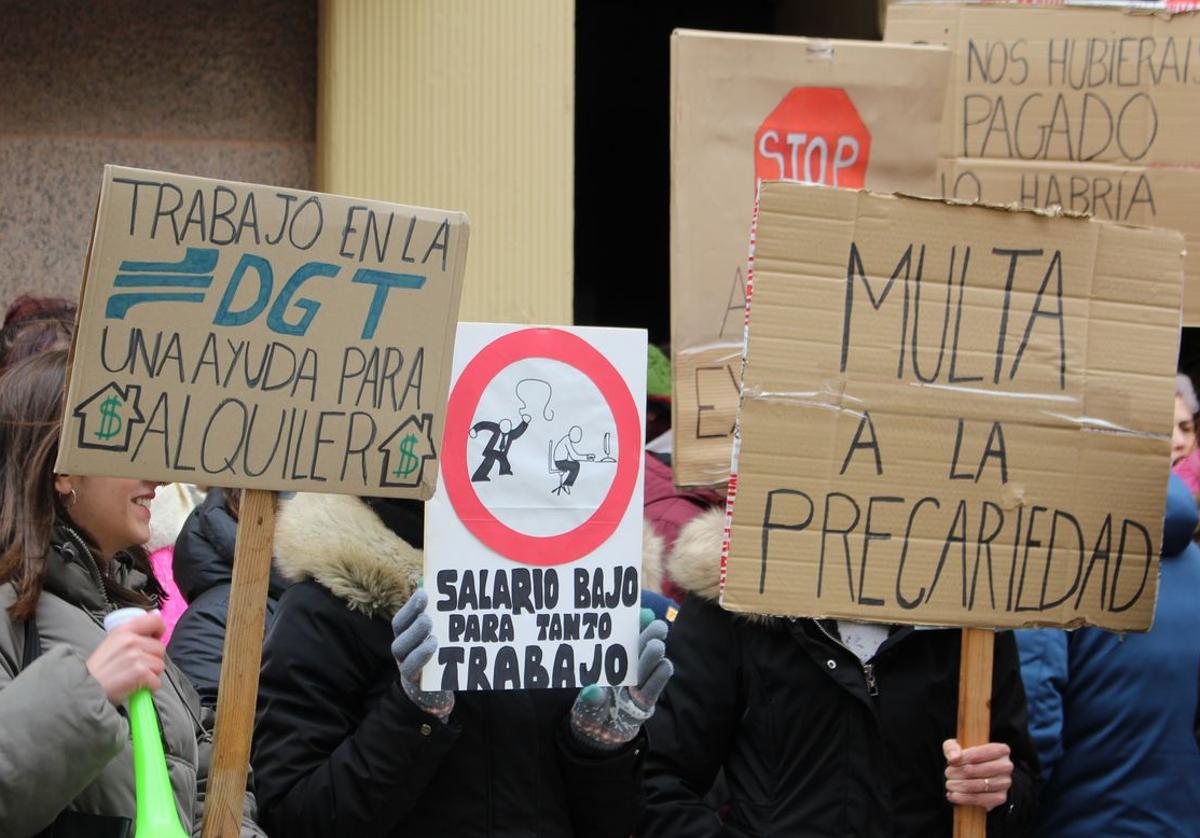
(593,695)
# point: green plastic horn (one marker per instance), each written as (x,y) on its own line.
(157,816)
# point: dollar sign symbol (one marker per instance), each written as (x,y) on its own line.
(408,460)
(110,422)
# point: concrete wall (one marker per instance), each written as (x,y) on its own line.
(221,89)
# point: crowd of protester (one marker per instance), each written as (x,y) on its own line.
(739,725)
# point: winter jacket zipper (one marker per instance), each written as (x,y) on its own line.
(92,566)
(867,668)
(869,672)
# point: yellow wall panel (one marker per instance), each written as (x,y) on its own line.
(463,104)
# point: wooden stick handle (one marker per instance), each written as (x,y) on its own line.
(238,687)
(974,715)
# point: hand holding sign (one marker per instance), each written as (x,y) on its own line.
(607,718)
(979,776)
(413,648)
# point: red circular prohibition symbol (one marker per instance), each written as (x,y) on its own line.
(572,350)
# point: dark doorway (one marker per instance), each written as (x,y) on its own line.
(622,135)
(1189,352)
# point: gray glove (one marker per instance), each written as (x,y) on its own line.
(414,647)
(607,718)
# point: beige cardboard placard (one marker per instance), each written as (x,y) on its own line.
(938,401)
(745,107)
(1099,85)
(1154,196)
(263,338)
(1092,109)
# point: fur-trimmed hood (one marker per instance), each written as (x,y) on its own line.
(339,541)
(170,508)
(694,562)
(652,559)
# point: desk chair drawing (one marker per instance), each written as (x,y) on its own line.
(554,469)
(565,458)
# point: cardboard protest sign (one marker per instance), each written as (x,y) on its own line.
(1094,109)
(746,108)
(953,415)
(263,338)
(533,538)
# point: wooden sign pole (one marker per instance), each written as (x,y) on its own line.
(974,715)
(238,687)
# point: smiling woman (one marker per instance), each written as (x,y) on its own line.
(69,555)
(115,511)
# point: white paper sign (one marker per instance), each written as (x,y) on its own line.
(533,539)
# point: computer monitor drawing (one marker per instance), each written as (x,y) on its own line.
(608,457)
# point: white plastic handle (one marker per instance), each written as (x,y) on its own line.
(122,616)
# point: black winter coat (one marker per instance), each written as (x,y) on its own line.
(341,751)
(203,568)
(808,748)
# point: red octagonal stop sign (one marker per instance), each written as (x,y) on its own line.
(814,135)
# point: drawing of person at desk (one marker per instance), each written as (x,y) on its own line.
(566,458)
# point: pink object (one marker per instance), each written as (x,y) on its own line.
(1188,470)
(668,509)
(162,562)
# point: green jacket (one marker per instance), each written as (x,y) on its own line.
(63,745)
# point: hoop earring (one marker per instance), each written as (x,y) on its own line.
(74,497)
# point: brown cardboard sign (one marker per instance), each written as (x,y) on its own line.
(1086,85)
(1154,196)
(746,108)
(1091,109)
(936,405)
(263,338)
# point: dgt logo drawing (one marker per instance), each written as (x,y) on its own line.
(189,279)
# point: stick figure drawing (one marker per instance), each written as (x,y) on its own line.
(495,452)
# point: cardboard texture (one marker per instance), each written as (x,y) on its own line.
(533,538)
(937,403)
(1159,196)
(261,338)
(1106,101)
(747,107)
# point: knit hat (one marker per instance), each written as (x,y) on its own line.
(658,374)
